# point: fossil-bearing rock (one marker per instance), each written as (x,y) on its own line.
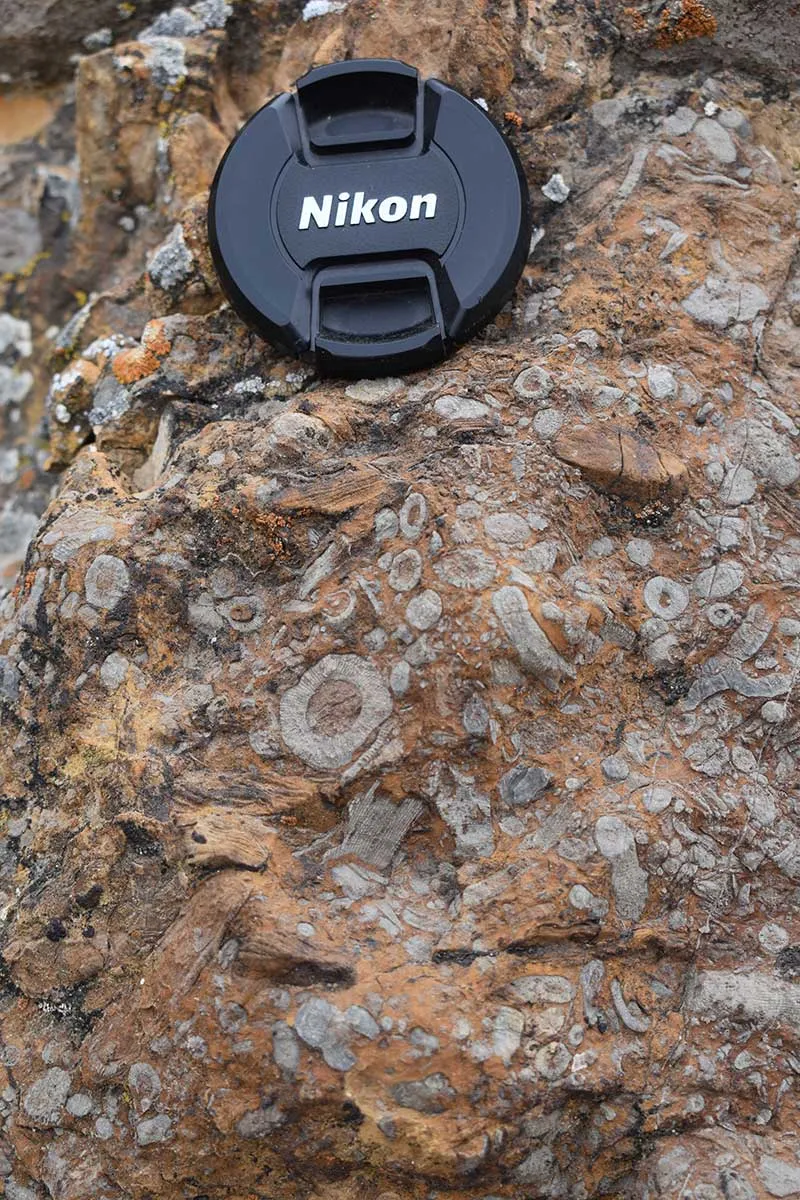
(399,777)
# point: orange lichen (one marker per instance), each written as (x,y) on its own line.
(134,363)
(636,19)
(695,21)
(513,118)
(155,339)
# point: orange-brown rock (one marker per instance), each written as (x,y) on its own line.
(621,462)
(398,776)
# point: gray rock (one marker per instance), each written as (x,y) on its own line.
(721,302)
(533,383)
(314,1020)
(738,486)
(341,684)
(544,989)
(460,408)
(423,611)
(260,1122)
(615,767)
(427,1095)
(661,383)
(640,552)
(522,785)
(556,189)
(467,568)
(79,1105)
(362,1022)
(715,583)
(718,141)
(608,112)
(735,120)
(406,570)
(145,1084)
(154,1129)
(780,1179)
(666,598)
(466,810)
(507,527)
(537,1170)
(629,882)
(681,122)
(285,1048)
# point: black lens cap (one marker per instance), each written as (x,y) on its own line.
(369,221)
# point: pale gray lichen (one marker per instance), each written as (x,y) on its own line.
(172,263)
(110,401)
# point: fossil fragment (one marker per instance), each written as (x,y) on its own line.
(630,883)
(535,650)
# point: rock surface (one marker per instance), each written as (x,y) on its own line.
(400,776)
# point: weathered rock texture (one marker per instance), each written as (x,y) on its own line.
(400,777)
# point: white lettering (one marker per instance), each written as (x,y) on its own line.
(361,211)
(393,208)
(390,209)
(429,200)
(341,208)
(320,213)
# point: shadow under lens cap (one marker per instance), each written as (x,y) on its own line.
(369,221)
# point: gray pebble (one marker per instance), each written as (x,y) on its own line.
(523,785)
(424,610)
(155,1129)
(615,768)
(460,408)
(721,302)
(400,678)
(533,383)
(681,122)
(507,527)
(640,552)
(661,383)
(405,571)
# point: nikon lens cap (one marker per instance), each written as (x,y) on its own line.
(369,222)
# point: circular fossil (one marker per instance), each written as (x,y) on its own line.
(332,711)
